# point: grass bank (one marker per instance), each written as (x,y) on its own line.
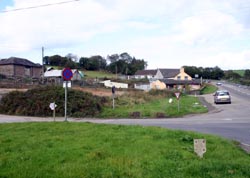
(84,150)
(158,107)
(209,89)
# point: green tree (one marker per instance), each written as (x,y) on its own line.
(247,74)
(231,75)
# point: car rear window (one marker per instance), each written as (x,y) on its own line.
(223,93)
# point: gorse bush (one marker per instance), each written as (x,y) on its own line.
(35,102)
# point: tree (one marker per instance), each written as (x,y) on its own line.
(231,75)
(206,73)
(84,62)
(125,64)
(73,57)
(247,74)
(113,58)
(93,63)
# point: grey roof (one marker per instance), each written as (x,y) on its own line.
(146,72)
(18,61)
(169,73)
(181,82)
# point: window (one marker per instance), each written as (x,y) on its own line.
(179,77)
(186,77)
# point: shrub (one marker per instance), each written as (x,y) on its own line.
(35,102)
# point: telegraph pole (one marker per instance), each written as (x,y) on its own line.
(42,65)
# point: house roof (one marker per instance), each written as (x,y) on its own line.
(146,72)
(58,73)
(181,82)
(53,73)
(169,73)
(18,61)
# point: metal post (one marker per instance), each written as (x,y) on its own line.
(178,105)
(65,104)
(42,65)
(113,96)
(54,111)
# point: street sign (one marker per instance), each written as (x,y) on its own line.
(52,106)
(67,74)
(67,83)
(177,94)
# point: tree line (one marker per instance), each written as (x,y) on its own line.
(214,73)
(116,63)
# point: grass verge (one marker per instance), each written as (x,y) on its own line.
(209,89)
(153,108)
(82,150)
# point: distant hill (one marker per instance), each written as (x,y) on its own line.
(240,72)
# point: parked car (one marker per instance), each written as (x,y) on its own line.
(218,83)
(222,96)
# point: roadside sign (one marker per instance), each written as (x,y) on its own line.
(200,147)
(67,83)
(177,94)
(52,106)
(67,74)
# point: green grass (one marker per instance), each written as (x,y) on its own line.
(149,109)
(240,72)
(33,150)
(98,74)
(208,89)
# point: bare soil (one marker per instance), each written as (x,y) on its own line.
(99,91)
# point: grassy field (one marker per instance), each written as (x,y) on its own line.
(208,89)
(153,108)
(241,72)
(33,150)
(98,74)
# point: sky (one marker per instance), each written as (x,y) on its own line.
(165,33)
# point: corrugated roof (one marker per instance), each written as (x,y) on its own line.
(53,73)
(18,61)
(181,82)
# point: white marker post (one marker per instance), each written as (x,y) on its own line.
(200,147)
(177,94)
(53,108)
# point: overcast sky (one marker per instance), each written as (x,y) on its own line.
(165,33)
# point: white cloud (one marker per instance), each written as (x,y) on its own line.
(164,33)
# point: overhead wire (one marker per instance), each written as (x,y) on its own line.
(38,6)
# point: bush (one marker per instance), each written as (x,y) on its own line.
(35,102)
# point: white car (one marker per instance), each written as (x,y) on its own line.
(222,96)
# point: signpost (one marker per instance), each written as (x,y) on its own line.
(177,94)
(53,108)
(113,96)
(67,76)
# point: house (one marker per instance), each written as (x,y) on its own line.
(172,78)
(178,78)
(19,67)
(157,85)
(149,74)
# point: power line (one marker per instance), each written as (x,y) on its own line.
(38,6)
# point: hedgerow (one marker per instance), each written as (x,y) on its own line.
(35,102)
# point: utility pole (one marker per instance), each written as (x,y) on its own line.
(42,65)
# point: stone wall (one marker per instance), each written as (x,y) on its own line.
(7,70)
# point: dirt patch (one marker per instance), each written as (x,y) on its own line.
(99,91)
